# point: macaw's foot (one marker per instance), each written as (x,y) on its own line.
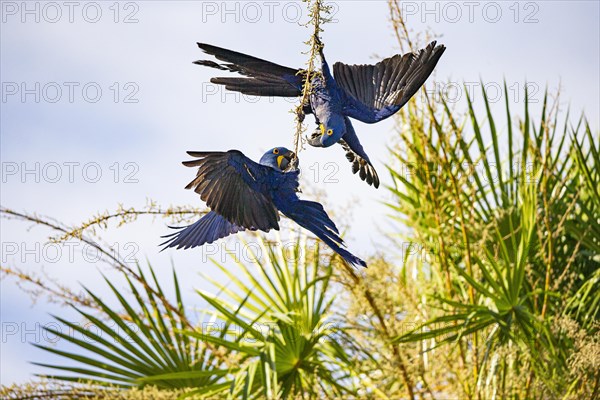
(365,169)
(315,139)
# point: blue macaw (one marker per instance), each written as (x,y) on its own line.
(245,195)
(368,93)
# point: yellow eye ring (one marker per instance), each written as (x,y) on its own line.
(275,151)
(329,132)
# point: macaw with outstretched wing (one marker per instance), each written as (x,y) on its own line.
(245,195)
(368,93)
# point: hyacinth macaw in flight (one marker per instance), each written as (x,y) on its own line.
(243,194)
(368,93)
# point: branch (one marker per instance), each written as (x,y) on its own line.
(317,12)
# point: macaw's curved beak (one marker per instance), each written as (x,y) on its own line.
(315,139)
(284,160)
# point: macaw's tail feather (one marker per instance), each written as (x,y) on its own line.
(264,78)
(311,215)
(209,228)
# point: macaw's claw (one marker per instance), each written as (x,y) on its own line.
(365,169)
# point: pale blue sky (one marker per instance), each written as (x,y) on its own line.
(542,42)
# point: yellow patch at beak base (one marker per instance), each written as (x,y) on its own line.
(279,160)
(322,128)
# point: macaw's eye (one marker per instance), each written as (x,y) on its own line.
(275,151)
(330,132)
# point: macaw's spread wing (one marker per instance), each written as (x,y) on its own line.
(264,77)
(209,228)
(374,92)
(235,187)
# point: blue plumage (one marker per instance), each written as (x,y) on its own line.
(243,194)
(369,93)
(208,229)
